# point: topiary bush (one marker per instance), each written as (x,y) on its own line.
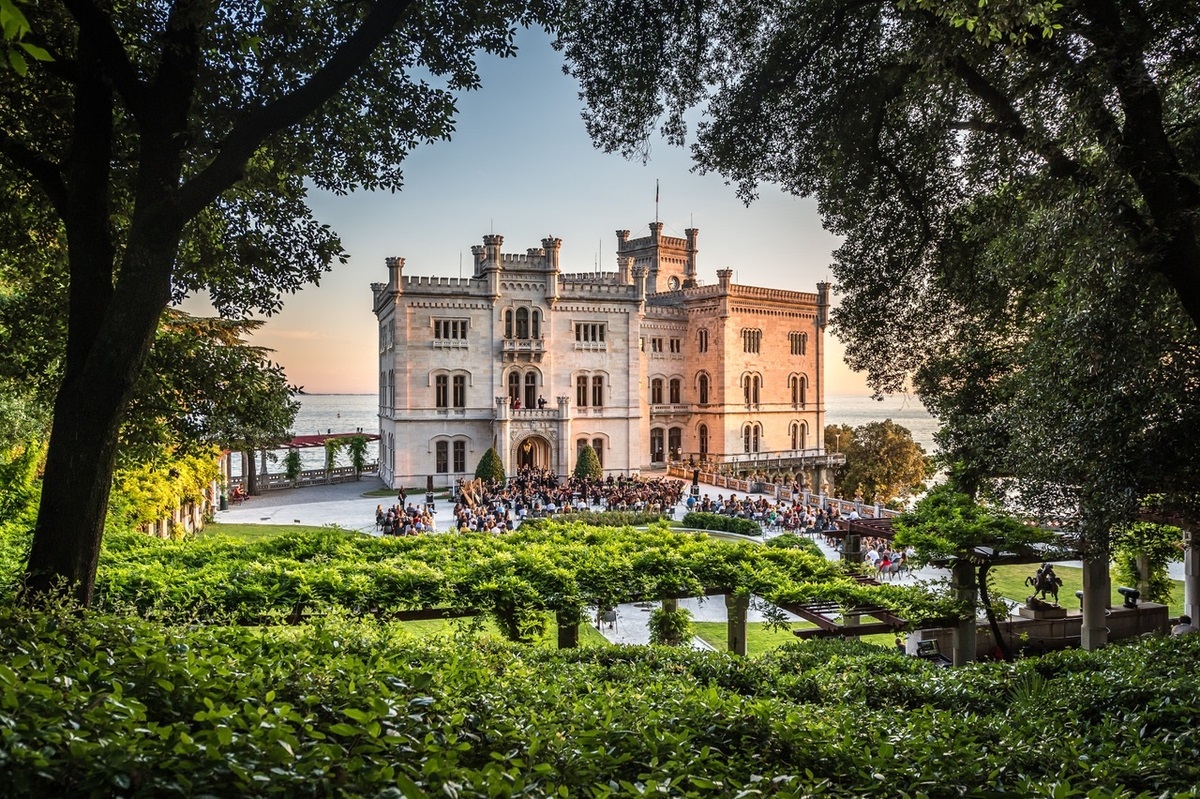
(490,467)
(588,465)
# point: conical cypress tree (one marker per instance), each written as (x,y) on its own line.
(588,465)
(490,467)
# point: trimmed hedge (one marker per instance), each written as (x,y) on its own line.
(717,521)
(94,705)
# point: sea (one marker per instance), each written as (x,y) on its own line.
(350,413)
(903,409)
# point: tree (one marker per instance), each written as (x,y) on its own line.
(948,525)
(838,438)
(292,465)
(490,467)
(172,144)
(1016,185)
(588,466)
(885,462)
(356,446)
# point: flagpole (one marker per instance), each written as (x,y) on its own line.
(656,199)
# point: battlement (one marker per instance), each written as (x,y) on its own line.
(590,277)
(739,291)
(411,282)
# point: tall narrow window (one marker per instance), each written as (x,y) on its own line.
(702,341)
(675,391)
(676,345)
(536,324)
(751,340)
(703,435)
(598,445)
(746,388)
(803,383)
(746,438)
(508,324)
(675,442)
(703,389)
(530,389)
(581,391)
(598,392)
(460,456)
(756,432)
(441,393)
(755,385)
(514,386)
(798,341)
(442,456)
(522,323)
(656,445)
(460,391)
(656,386)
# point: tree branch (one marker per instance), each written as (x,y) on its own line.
(248,134)
(44,172)
(94,24)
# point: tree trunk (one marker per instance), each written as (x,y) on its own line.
(1005,650)
(251,475)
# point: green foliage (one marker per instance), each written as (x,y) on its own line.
(490,467)
(604,518)
(332,447)
(291,708)
(18,483)
(948,524)
(718,521)
(883,459)
(793,541)
(588,465)
(292,465)
(671,626)
(356,446)
(1160,544)
(152,491)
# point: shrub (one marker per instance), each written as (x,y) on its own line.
(671,627)
(588,465)
(717,521)
(490,467)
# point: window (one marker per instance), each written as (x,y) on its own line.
(450,329)
(675,442)
(460,391)
(702,341)
(799,432)
(441,393)
(799,386)
(597,392)
(392,388)
(514,386)
(522,327)
(536,323)
(656,387)
(508,324)
(442,456)
(751,384)
(531,392)
(798,341)
(751,340)
(703,436)
(751,437)
(590,332)
(656,345)
(460,456)
(675,390)
(676,345)
(598,445)
(703,389)
(656,445)
(581,391)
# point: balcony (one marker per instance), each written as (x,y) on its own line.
(526,350)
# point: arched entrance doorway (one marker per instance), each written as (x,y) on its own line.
(533,452)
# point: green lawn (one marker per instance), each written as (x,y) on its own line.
(1009,582)
(760,639)
(448,628)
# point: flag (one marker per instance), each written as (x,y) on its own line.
(656,192)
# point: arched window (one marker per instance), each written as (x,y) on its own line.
(656,445)
(597,391)
(460,391)
(751,387)
(537,324)
(522,323)
(581,391)
(799,386)
(675,442)
(746,438)
(751,437)
(703,435)
(756,385)
(508,324)
(441,391)
(675,391)
(702,341)
(703,389)
(531,393)
(799,435)
(746,388)
(514,386)
(656,387)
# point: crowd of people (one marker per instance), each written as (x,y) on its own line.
(401,519)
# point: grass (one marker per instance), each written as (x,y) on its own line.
(484,627)
(256,532)
(1009,582)
(761,639)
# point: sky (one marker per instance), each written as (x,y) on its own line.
(520,164)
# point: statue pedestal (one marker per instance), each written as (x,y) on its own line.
(1042,613)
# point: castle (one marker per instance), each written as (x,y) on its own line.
(646,364)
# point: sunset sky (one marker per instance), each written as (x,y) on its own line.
(520,164)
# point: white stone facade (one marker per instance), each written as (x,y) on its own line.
(644,363)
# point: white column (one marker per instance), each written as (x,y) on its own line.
(962,582)
(1191,575)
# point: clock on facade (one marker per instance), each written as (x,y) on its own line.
(673,283)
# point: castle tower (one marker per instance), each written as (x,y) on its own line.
(670,261)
